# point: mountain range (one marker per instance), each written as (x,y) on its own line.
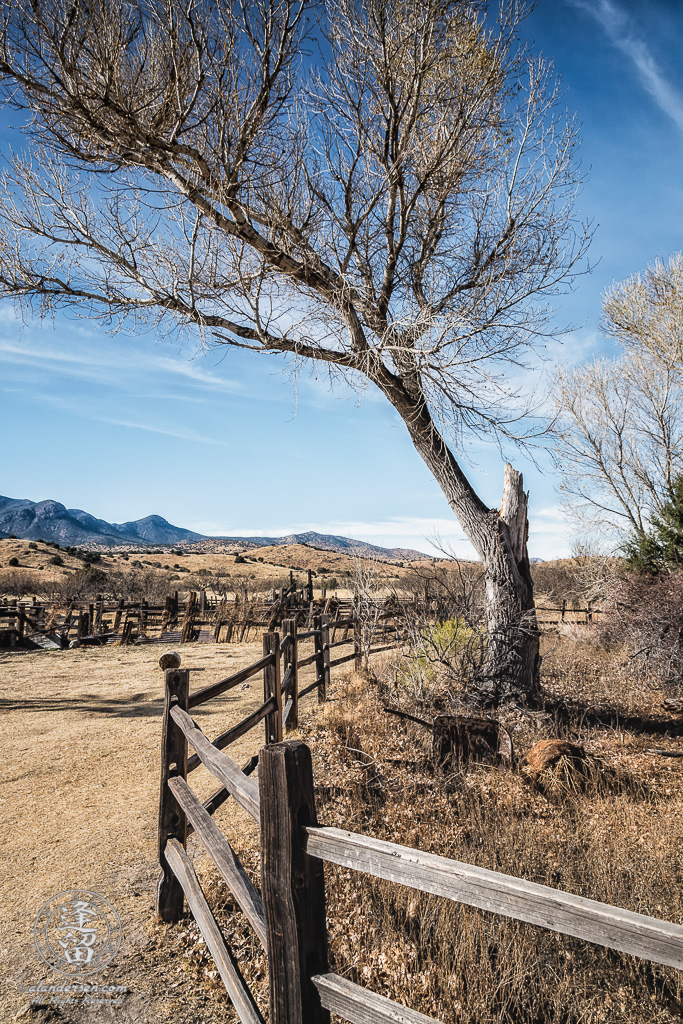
(51,521)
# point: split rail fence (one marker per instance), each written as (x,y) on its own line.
(289,914)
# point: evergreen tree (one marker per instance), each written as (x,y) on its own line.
(661,547)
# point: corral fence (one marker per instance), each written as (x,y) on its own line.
(567,614)
(198,618)
(202,617)
(289,914)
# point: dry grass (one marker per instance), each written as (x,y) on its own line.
(261,567)
(613,833)
(80,741)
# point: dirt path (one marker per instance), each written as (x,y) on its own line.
(79,747)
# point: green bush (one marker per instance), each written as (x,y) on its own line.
(451,636)
(56,560)
(13,562)
(447,649)
(660,548)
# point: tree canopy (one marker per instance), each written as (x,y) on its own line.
(386,187)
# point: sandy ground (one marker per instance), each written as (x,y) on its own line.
(80,735)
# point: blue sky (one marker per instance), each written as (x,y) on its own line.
(220,442)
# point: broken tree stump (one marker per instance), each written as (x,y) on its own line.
(458,740)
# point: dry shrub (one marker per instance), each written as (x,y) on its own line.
(585,577)
(647,619)
(584,672)
(20,583)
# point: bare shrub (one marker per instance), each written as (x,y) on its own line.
(646,618)
(20,583)
(370,591)
(451,589)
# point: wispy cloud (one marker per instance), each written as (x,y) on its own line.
(179,434)
(83,411)
(548,533)
(623,33)
(113,365)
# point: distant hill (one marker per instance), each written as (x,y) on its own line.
(49,520)
(330,542)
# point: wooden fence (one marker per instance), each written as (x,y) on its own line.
(199,618)
(289,915)
(566,614)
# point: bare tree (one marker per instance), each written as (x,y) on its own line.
(620,426)
(645,312)
(399,210)
(368,580)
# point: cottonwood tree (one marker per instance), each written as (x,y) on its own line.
(383,187)
(620,426)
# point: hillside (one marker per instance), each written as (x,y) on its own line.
(51,521)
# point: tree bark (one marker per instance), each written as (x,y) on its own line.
(512,666)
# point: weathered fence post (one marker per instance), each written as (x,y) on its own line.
(271,688)
(117,616)
(310,586)
(289,662)
(325,637)
(83,623)
(357,646)
(292,884)
(190,612)
(322,654)
(172,821)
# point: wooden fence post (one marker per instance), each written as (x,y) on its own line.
(117,616)
(325,638)
(310,586)
(290,659)
(83,624)
(172,820)
(293,885)
(322,654)
(271,688)
(357,646)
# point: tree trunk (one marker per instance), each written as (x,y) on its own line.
(513,659)
(511,670)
